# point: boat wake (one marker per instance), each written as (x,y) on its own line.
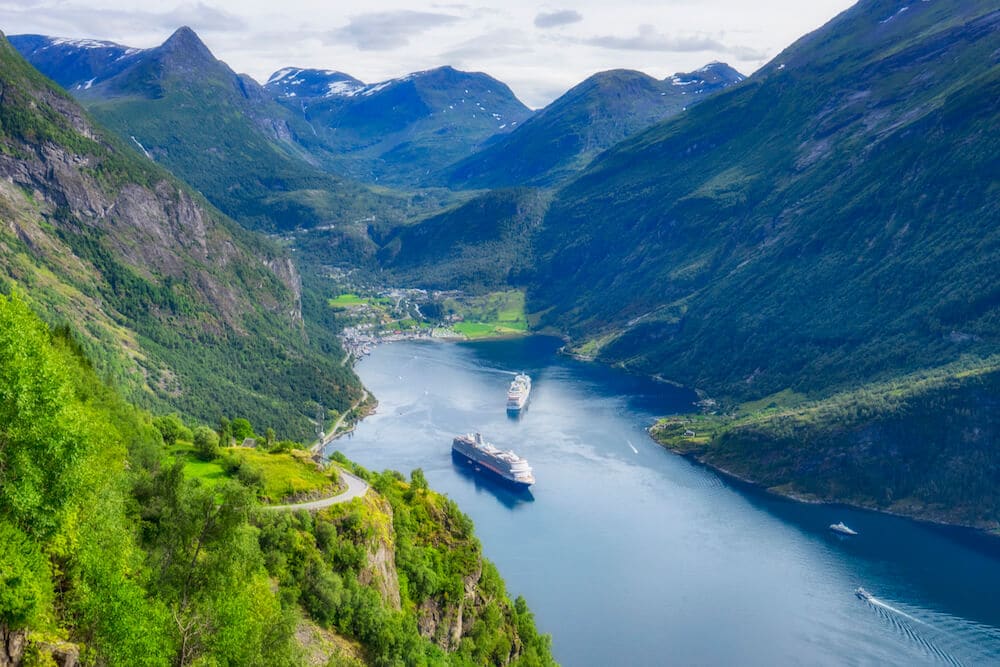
(634,450)
(943,641)
(888,607)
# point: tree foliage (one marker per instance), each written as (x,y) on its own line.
(206,443)
(105,541)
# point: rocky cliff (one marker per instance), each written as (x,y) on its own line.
(167,294)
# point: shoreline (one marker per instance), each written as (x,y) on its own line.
(693,457)
(757,487)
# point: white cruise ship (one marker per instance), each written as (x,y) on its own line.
(487,458)
(517,394)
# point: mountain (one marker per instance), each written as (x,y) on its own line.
(216,129)
(398,131)
(132,540)
(309,84)
(75,64)
(823,222)
(562,138)
(822,232)
(173,301)
(480,245)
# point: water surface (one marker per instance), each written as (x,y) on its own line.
(629,555)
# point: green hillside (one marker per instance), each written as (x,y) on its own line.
(825,224)
(221,133)
(111,553)
(480,245)
(172,300)
(922,444)
(561,139)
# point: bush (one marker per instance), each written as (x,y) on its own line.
(242,430)
(172,429)
(206,443)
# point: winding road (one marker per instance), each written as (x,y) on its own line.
(356,488)
(326,440)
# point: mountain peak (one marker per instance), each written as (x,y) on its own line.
(617,76)
(182,35)
(723,70)
(186,41)
(312,83)
(713,75)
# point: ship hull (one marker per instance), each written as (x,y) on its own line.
(486,469)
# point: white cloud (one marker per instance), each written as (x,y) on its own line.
(382,39)
(557,18)
(648,38)
(384,31)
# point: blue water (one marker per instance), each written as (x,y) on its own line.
(629,555)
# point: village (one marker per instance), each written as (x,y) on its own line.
(395,315)
(373,316)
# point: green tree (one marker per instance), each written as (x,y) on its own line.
(206,443)
(225,432)
(172,429)
(42,434)
(242,429)
(25,582)
(417,480)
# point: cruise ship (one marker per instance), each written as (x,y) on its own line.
(517,394)
(508,466)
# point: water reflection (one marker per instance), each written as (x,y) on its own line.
(509,496)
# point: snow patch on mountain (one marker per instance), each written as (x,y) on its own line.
(343,89)
(82,43)
(282,73)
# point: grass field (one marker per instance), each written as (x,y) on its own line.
(283,475)
(287,474)
(495,314)
(346,301)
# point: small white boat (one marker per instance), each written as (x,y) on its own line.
(863,594)
(842,529)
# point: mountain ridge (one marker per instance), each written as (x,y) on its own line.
(402,129)
(727,179)
(559,140)
(214,128)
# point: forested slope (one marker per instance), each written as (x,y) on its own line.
(110,553)
(172,300)
(828,222)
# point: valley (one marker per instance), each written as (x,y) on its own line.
(221,295)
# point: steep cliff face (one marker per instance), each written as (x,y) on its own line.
(446,622)
(379,569)
(416,557)
(11,646)
(170,297)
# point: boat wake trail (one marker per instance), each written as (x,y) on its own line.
(898,620)
(634,450)
(888,607)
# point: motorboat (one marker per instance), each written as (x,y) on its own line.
(842,529)
(863,594)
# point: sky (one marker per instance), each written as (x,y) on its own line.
(539,49)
